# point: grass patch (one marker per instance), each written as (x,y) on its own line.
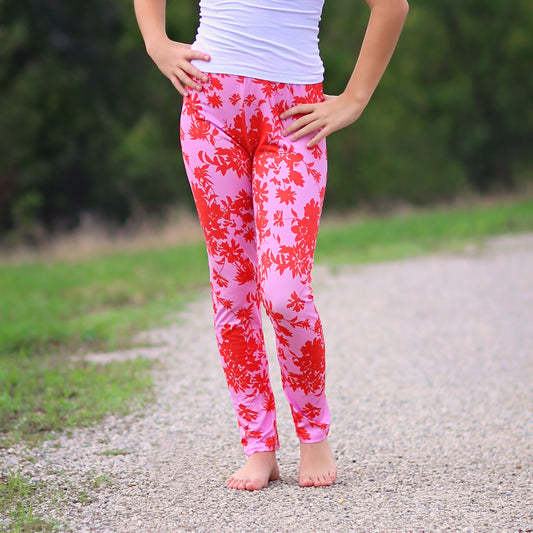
(18,497)
(119,451)
(49,311)
(40,396)
(385,238)
(96,303)
(16,507)
(103,480)
(99,303)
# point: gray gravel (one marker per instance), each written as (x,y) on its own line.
(430,367)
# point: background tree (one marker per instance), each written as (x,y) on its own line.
(88,124)
(451,112)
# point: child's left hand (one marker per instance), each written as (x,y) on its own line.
(334,113)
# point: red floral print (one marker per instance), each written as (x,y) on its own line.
(295,302)
(310,377)
(311,411)
(215,100)
(259,197)
(286,196)
(246,413)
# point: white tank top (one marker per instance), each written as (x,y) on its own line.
(274,40)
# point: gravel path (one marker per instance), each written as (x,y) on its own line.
(430,383)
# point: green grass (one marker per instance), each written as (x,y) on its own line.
(94,304)
(16,506)
(381,239)
(40,396)
(100,303)
(119,451)
(19,496)
(50,311)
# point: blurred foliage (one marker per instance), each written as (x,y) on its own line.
(88,124)
(451,113)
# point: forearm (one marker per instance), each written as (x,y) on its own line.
(384,27)
(172,58)
(151,20)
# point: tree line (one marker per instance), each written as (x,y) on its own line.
(89,125)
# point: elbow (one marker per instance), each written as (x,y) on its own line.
(403,8)
(397,9)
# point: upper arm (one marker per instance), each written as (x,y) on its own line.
(394,6)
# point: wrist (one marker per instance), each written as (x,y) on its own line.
(154,43)
(355,98)
(355,104)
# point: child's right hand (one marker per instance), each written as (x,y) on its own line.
(174,61)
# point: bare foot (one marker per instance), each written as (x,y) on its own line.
(317,466)
(260,468)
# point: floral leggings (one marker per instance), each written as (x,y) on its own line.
(259,197)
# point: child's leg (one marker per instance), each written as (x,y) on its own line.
(219,170)
(286,256)
(288,187)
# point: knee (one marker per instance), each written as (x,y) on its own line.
(285,299)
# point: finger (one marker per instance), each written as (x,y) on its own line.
(322,134)
(194,72)
(300,109)
(179,87)
(307,130)
(298,123)
(185,80)
(196,54)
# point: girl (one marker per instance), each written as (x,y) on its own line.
(253,127)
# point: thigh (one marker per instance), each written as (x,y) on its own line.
(218,169)
(289,182)
(219,172)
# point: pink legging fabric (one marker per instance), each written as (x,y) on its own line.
(259,197)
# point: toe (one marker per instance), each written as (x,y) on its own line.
(254,484)
(306,481)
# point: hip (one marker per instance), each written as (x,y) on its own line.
(248,109)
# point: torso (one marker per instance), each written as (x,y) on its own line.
(275,40)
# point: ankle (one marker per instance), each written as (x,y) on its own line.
(262,456)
